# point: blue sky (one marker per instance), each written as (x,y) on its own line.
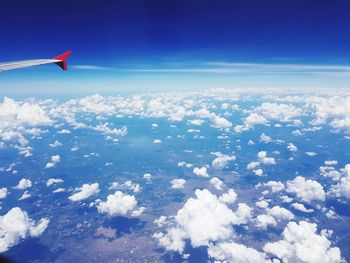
(158,45)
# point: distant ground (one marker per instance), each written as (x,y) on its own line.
(219,175)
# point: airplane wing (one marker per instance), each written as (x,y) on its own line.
(60,60)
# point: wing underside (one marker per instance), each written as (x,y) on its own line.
(59,60)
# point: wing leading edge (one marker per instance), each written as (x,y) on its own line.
(60,60)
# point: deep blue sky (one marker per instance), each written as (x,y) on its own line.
(182,35)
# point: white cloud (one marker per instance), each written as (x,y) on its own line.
(291,147)
(330,162)
(220,122)
(265,138)
(302,208)
(25,195)
(311,154)
(306,190)
(252,165)
(196,122)
(119,204)
(276,186)
(178,183)
(237,253)
(258,172)
(301,243)
(263,221)
(3,192)
(84,192)
(64,131)
(16,225)
(221,161)
(52,181)
(280,213)
(262,156)
(228,198)
(201,171)
(157,141)
(217,183)
(23,184)
(342,187)
(54,160)
(147,177)
(198,222)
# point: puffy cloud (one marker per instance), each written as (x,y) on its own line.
(220,122)
(16,225)
(52,181)
(265,138)
(258,172)
(330,162)
(306,190)
(311,154)
(198,222)
(280,213)
(201,171)
(342,187)
(291,147)
(84,192)
(217,183)
(301,207)
(3,192)
(64,131)
(276,186)
(54,160)
(24,184)
(196,122)
(301,243)
(252,165)
(119,204)
(228,198)
(178,183)
(25,195)
(127,185)
(237,253)
(221,161)
(263,221)
(262,155)
(157,141)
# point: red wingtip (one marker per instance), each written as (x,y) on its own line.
(63,57)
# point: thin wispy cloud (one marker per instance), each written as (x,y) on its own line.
(89,67)
(256,68)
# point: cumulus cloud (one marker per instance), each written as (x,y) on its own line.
(342,187)
(263,221)
(229,197)
(16,225)
(84,192)
(291,147)
(157,141)
(305,189)
(54,160)
(302,208)
(262,156)
(3,192)
(178,183)
(302,243)
(217,183)
(221,161)
(238,253)
(119,204)
(52,181)
(201,171)
(198,222)
(23,184)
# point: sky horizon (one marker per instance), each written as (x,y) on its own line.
(152,46)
